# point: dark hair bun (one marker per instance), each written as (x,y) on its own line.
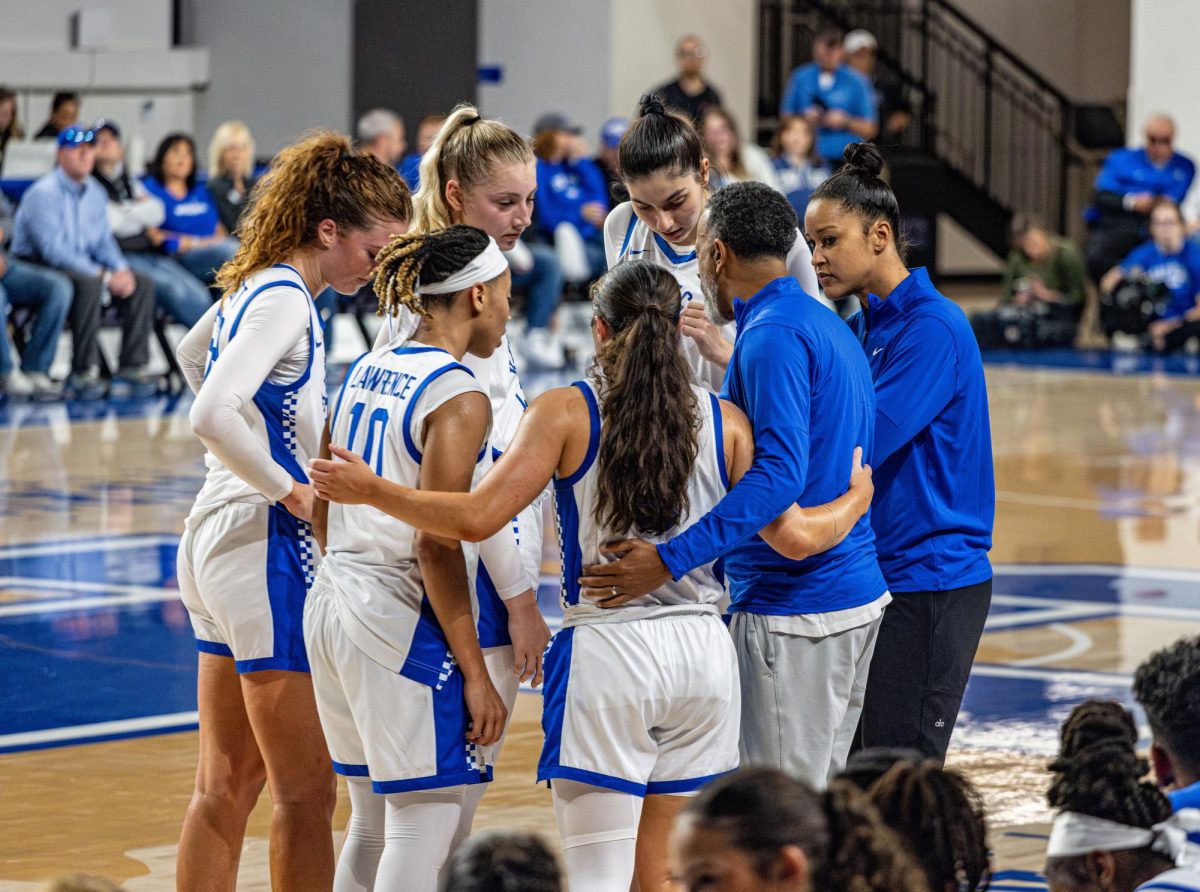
(864,157)
(651,104)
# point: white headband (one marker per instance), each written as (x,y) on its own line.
(483,268)
(1078,834)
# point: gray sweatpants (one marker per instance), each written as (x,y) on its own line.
(801,696)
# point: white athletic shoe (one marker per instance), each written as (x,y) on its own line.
(16,384)
(43,387)
(542,349)
(1125,343)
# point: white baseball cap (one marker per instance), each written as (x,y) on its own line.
(859,39)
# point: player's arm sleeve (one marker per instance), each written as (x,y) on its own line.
(799,262)
(917,382)
(616,225)
(775,369)
(501,554)
(273,322)
(192,352)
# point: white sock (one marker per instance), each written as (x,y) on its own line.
(359,859)
(419,827)
(598,829)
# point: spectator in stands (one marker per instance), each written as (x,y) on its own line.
(231,171)
(64,111)
(1167,686)
(24,284)
(381,132)
(1043,280)
(1174,260)
(689,93)
(731,160)
(1126,188)
(798,167)
(410,167)
(606,159)
(571,195)
(10,127)
(834,97)
(192,230)
(63,223)
(136,218)
(892,108)
(502,860)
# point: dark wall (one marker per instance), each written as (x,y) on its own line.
(414,57)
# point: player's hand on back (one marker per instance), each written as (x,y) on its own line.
(529,634)
(486,710)
(637,571)
(345,479)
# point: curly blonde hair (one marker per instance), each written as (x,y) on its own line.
(319,178)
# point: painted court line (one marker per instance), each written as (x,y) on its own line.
(119,728)
(94,544)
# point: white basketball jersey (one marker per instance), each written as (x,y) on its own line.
(288,411)
(580,536)
(370,556)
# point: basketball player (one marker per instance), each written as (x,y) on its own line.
(642,700)
(481,173)
(663,166)
(404,696)
(804,630)
(257,364)
(933,448)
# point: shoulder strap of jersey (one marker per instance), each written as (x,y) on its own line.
(718,426)
(409,443)
(593,434)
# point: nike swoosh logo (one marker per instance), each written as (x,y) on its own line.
(878,350)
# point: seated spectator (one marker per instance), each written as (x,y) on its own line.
(1041,292)
(689,93)
(940,814)
(892,108)
(758,828)
(1167,687)
(1174,260)
(502,860)
(64,111)
(571,193)
(231,171)
(63,223)
(797,165)
(410,167)
(381,132)
(192,230)
(834,98)
(611,134)
(1126,188)
(731,160)
(24,284)
(136,218)
(1108,833)
(10,127)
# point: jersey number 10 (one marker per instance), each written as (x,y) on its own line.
(372,450)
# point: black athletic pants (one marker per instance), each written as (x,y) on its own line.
(137,322)
(922,659)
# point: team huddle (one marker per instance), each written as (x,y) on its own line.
(739,587)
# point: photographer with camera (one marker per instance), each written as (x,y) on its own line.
(1168,260)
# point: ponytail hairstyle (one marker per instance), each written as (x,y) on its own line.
(941,816)
(1167,686)
(658,141)
(428,257)
(319,178)
(649,411)
(1099,773)
(468,149)
(857,189)
(848,848)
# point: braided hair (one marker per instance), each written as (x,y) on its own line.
(1168,687)
(430,258)
(941,815)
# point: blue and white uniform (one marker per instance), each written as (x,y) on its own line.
(1178,879)
(245,563)
(389,697)
(642,698)
(626,237)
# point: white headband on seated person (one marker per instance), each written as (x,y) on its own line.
(485,267)
(1078,834)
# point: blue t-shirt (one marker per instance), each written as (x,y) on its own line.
(1188,797)
(1130,171)
(844,89)
(799,376)
(194,214)
(410,169)
(799,183)
(935,493)
(563,190)
(1179,272)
